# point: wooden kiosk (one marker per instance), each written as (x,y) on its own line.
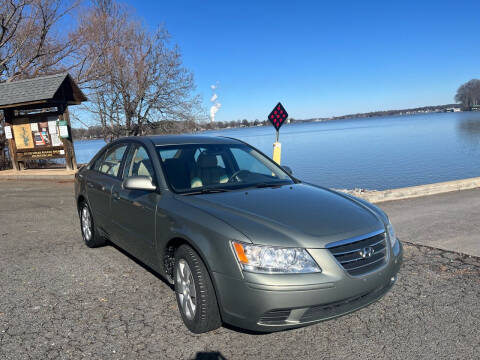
(37,123)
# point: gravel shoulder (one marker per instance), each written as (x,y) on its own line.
(62,300)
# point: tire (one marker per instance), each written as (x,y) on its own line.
(194,288)
(89,232)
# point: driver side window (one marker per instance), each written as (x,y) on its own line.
(110,164)
(139,163)
(247,162)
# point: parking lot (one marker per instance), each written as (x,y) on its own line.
(62,300)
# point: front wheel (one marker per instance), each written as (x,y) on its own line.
(195,293)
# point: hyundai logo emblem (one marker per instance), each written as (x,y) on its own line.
(366,252)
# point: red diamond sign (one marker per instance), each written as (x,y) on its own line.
(278,116)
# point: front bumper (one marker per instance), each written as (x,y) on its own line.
(262,302)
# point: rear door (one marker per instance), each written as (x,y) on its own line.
(133,211)
(100,181)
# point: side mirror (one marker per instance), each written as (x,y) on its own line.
(287,169)
(139,183)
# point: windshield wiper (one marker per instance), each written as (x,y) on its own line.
(271,184)
(206,191)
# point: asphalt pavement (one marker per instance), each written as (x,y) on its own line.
(62,300)
(449,221)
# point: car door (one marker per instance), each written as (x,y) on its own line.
(133,211)
(100,180)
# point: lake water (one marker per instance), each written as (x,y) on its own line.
(375,153)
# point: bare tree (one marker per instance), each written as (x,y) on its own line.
(133,77)
(469,93)
(31,42)
(138,77)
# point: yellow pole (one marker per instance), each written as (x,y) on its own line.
(277,150)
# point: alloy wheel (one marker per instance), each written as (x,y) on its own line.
(86,223)
(186,289)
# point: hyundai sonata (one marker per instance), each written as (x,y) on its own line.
(242,240)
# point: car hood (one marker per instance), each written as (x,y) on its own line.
(290,215)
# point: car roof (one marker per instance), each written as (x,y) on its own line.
(183,139)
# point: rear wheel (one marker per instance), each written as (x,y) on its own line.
(89,232)
(195,294)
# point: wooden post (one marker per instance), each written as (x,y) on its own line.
(65,141)
(12,149)
(70,160)
(66,115)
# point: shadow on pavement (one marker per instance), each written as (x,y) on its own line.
(213,355)
(138,262)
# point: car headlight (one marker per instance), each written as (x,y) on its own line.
(274,260)
(391,234)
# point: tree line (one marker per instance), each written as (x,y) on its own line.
(422,109)
(468,94)
(171,127)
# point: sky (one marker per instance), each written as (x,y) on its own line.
(322,58)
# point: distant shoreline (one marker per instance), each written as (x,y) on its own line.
(201,127)
(383,113)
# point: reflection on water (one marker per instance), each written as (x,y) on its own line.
(374,153)
(469,130)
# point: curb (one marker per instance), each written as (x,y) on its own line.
(51,174)
(462,254)
(37,178)
(416,191)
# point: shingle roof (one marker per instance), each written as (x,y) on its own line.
(41,88)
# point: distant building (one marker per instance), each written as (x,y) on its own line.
(452,109)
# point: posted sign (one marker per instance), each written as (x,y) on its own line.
(278,116)
(8,132)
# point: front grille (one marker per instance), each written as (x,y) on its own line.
(349,255)
(275,317)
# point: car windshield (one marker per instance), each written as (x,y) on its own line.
(201,168)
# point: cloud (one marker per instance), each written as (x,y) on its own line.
(215,104)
